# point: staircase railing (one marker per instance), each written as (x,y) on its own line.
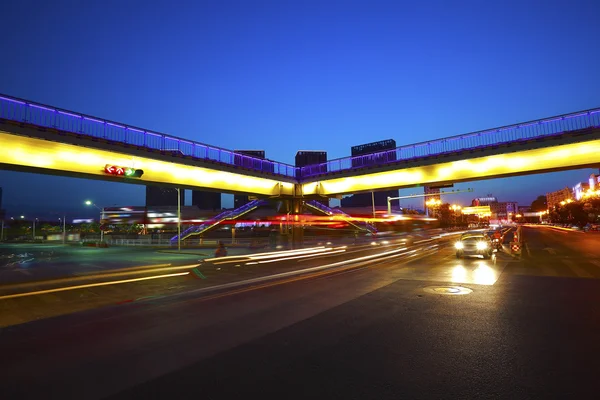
(225,215)
(336,211)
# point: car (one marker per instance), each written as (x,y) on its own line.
(474,244)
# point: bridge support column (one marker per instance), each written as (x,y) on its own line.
(297,237)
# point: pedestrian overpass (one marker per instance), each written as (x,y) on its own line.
(44,139)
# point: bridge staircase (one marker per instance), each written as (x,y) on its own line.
(216,220)
(322,208)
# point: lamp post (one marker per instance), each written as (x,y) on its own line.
(178,220)
(35,219)
(90,203)
(432,203)
(373,202)
(64,230)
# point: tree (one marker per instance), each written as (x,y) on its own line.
(445,215)
(539,204)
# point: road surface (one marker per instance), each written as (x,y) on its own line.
(386,330)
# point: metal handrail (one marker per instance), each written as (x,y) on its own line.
(330,211)
(19,110)
(15,109)
(490,137)
(227,214)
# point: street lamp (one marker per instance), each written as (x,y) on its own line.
(64,224)
(90,203)
(178,219)
(35,219)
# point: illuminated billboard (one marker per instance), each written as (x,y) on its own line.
(477,210)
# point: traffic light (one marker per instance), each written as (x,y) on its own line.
(123,171)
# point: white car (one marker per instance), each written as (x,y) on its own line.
(474,244)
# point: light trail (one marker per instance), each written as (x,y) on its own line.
(125,272)
(63,289)
(302,256)
(258,256)
(298,275)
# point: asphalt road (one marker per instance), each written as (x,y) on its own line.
(375,332)
(29,262)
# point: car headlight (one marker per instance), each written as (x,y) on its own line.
(482,245)
(459,245)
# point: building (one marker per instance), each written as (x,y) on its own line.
(318,159)
(372,154)
(504,209)
(580,189)
(160,196)
(524,209)
(240,160)
(484,201)
(554,198)
(206,200)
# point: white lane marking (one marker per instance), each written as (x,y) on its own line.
(595,262)
(580,272)
(550,250)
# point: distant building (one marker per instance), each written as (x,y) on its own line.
(594,182)
(484,201)
(160,196)
(253,162)
(317,159)
(554,198)
(580,189)
(371,154)
(206,200)
(503,209)
(524,209)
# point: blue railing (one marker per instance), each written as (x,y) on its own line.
(50,117)
(19,110)
(470,141)
(227,214)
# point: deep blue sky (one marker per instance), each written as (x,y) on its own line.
(288,75)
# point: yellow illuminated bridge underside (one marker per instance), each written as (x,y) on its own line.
(62,157)
(38,153)
(568,156)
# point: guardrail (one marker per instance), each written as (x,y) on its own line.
(19,110)
(470,141)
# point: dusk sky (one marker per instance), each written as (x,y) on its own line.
(298,75)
